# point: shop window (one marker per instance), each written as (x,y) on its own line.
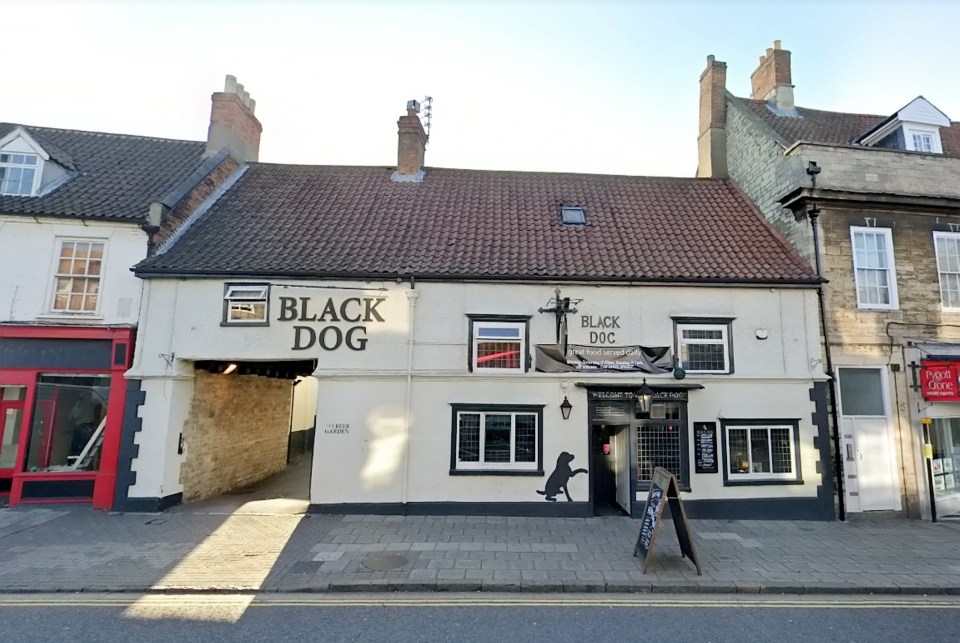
(246,304)
(69,417)
(497,439)
(945,439)
(703,344)
(498,343)
(873,268)
(77,277)
(761,452)
(662,442)
(11,417)
(947,246)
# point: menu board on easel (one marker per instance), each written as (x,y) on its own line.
(664,491)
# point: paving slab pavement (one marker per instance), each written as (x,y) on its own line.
(77,549)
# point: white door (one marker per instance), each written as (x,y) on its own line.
(871,481)
(621,455)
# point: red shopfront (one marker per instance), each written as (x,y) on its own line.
(62,394)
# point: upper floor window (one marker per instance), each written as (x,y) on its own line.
(18,173)
(246,304)
(947,246)
(77,278)
(703,345)
(922,141)
(498,343)
(873,267)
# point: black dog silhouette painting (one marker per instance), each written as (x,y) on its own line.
(558,480)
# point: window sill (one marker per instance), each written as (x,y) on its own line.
(234,324)
(497,472)
(67,316)
(878,309)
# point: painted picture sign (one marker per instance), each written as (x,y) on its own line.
(940,381)
(604,359)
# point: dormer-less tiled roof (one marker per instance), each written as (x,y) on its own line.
(838,128)
(112,176)
(354,222)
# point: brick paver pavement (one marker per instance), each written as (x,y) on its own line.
(44,549)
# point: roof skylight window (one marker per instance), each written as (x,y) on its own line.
(573,215)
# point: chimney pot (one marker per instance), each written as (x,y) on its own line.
(230,84)
(776,44)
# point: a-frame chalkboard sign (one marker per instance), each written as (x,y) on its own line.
(663,487)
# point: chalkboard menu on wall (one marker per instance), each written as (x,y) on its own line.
(705,447)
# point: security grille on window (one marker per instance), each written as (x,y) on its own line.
(496,438)
(761,452)
(947,246)
(246,303)
(77,279)
(873,267)
(18,173)
(704,347)
(498,343)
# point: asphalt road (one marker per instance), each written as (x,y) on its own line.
(408,617)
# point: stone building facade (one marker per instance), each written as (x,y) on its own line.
(874,202)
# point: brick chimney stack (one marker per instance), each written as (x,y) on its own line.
(412,144)
(771,81)
(712,139)
(232,123)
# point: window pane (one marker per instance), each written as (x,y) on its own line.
(496,436)
(526,438)
(782,455)
(703,357)
(248,311)
(759,451)
(469,432)
(860,391)
(658,446)
(496,333)
(739,450)
(69,417)
(498,354)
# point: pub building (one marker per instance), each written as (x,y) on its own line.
(482,342)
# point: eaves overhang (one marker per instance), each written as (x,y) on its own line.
(800,198)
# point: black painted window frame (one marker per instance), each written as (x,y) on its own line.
(475,318)
(457,408)
(725,322)
(793,423)
(225,319)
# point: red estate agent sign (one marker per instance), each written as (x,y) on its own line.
(939,381)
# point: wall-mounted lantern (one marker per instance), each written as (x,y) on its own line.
(644,397)
(565,408)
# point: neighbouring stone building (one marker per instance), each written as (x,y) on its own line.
(483,342)
(873,202)
(77,211)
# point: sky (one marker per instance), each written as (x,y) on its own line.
(532,85)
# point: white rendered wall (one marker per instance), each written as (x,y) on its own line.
(29,250)
(379,458)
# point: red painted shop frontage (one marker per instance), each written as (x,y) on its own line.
(62,394)
(940,424)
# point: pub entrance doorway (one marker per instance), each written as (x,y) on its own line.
(610,470)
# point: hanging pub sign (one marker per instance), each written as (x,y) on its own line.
(604,359)
(940,381)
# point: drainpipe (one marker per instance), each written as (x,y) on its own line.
(813,212)
(412,296)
